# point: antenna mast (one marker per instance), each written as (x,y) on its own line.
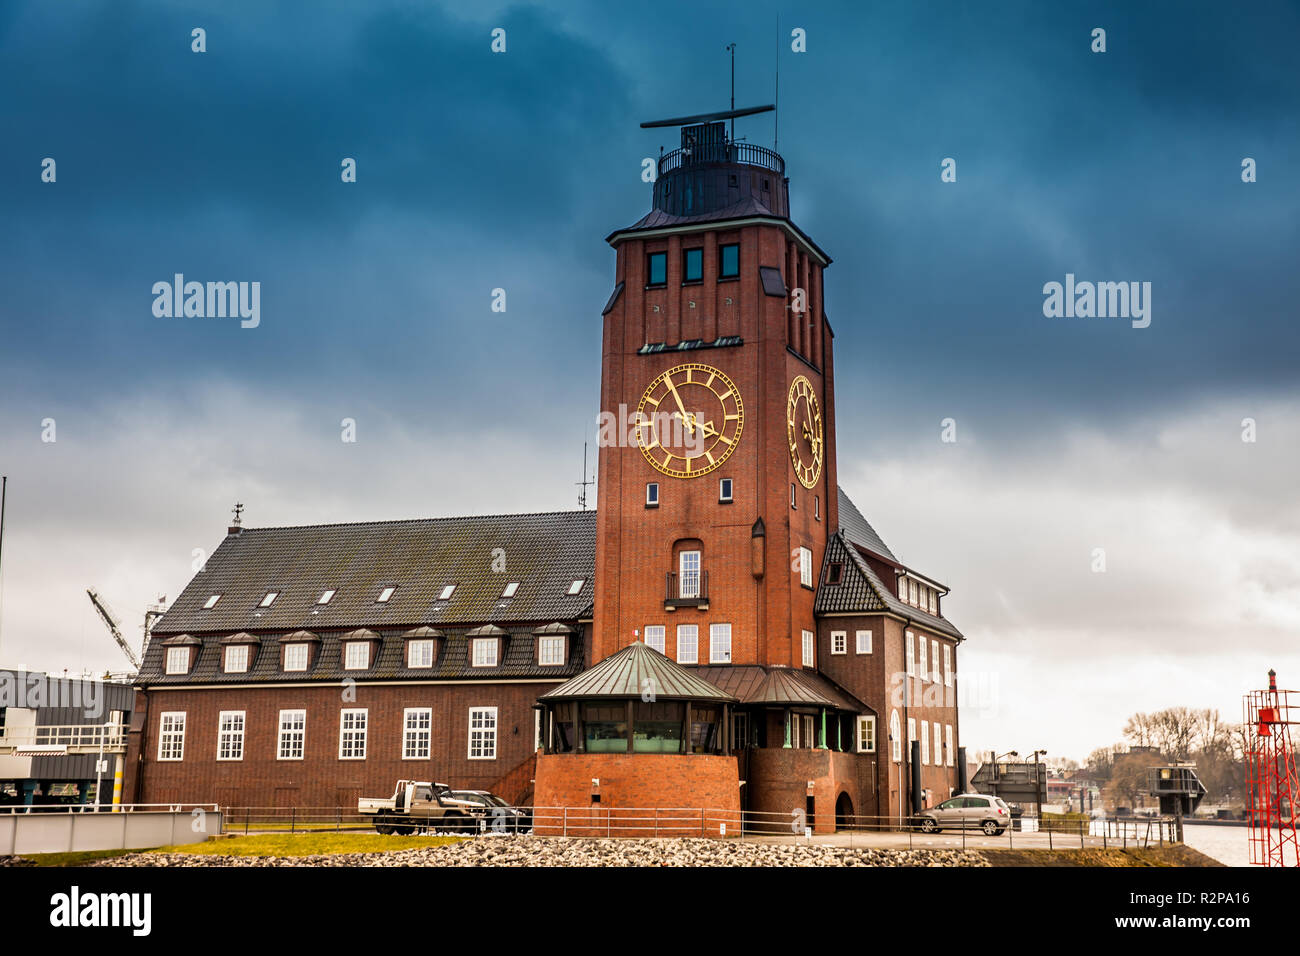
(582,495)
(732,48)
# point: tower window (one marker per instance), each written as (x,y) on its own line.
(652,494)
(729,264)
(817,507)
(657,268)
(792,504)
(724,491)
(692,265)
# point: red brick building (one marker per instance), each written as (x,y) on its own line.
(726,631)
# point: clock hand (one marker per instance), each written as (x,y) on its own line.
(682,408)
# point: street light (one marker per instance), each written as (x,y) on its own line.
(996,758)
(1038,794)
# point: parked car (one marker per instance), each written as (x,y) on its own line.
(417,805)
(990,814)
(493,812)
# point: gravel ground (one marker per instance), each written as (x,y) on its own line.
(541,851)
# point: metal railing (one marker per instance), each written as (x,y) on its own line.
(750,154)
(691,590)
(65,738)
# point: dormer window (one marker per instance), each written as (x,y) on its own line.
(510,590)
(576,586)
(419,653)
(550,651)
(485,652)
(834,573)
(236,659)
(212,602)
(356,655)
(384,595)
(178,660)
(326,596)
(447,592)
(295,657)
(269,599)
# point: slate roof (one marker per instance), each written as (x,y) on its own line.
(626,673)
(859,529)
(544,552)
(517,660)
(860,589)
(780,686)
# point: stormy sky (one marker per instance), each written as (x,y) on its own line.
(479,170)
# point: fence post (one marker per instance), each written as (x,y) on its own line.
(338,819)
(1049,839)
(1080,834)
(566,820)
(293,819)
(247,811)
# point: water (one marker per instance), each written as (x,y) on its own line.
(1228,845)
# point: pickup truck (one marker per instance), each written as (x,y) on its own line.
(417,805)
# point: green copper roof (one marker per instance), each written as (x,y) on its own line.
(634,671)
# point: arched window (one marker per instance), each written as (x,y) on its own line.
(895,737)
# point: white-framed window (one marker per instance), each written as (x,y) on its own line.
(485,652)
(293,734)
(688,570)
(655,637)
(911,654)
(171,735)
(230,735)
(911,589)
(839,642)
(938,744)
(295,657)
(864,642)
(576,586)
(817,507)
(934,601)
(925,743)
(178,660)
(326,596)
(796,735)
(934,662)
(550,651)
(352,733)
(419,652)
(719,643)
(805,567)
(951,753)
(809,649)
(236,659)
(866,734)
(724,490)
(510,589)
(924,667)
(895,737)
(482,733)
(947,665)
(211,602)
(269,599)
(417,729)
(688,644)
(792,504)
(911,735)
(356,655)
(446,592)
(384,595)
(652,494)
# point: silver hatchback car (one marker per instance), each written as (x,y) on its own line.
(990,814)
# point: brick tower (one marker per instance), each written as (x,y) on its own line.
(717,468)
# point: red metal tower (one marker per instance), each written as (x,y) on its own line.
(1272,787)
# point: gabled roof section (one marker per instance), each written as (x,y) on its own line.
(859,529)
(860,589)
(625,675)
(545,552)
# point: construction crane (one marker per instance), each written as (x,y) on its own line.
(111,622)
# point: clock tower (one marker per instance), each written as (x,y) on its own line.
(717,459)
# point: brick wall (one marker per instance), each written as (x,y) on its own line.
(778,785)
(682,782)
(322,779)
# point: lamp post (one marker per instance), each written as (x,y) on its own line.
(1038,793)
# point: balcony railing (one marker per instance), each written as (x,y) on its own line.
(691,590)
(747,153)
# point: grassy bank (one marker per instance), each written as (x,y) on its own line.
(1113,857)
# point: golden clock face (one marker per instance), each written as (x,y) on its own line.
(689,421)
(803,419)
